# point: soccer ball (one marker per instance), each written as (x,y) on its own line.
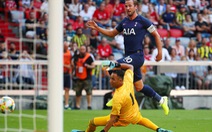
(7,105)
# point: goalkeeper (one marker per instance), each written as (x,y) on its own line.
(125,108)
(134,28)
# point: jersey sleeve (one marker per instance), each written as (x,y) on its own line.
(119,27)
(116,109)
(128,76)
(147,23)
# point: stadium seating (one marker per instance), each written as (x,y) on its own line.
(172,41)
(176,33)
(5,30)
(184,41)
(163,33)
(8,33)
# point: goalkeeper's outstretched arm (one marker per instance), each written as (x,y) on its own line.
(125,66)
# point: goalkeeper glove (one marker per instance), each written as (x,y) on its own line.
(105,63)
(110,64)
(114,64)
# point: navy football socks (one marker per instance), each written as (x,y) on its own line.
(148,91)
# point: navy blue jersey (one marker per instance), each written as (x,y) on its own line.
(134,32)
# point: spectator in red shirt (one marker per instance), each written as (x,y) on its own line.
(109,8)
(104,49)
(173,7)
(10,5)
(27,7)
(67,19)
(152,15)
(79,23)
(118,9)
(101,17)
(36,6)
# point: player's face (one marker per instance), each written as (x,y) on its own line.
(115,81)
(130,8)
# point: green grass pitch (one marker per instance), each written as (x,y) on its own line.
(177,120)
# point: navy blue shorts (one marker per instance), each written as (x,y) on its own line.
(66,80)
(137,60)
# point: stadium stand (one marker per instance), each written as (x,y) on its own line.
(176,33)
(163,33)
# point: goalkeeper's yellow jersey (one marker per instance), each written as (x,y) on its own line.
(124,102)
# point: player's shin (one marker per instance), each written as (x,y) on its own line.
(150,92)
(91,126)
(147,123)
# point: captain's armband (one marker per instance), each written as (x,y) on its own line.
(151,28)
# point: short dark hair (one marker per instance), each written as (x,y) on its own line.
(111,54)
(119,73)
(135,2)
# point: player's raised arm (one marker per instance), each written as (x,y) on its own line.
(112,65)
(107,32)
(158,44)
(125,66)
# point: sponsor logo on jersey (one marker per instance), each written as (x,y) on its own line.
(129,31)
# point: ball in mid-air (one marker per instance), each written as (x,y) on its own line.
(7,105)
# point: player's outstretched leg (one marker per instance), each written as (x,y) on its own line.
(164,105)
(91,126)
(97,121)
(149,124)
(150,92)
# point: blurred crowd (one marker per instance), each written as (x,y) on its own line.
(193,18)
